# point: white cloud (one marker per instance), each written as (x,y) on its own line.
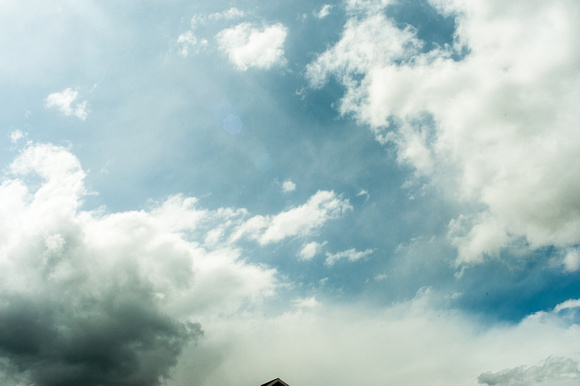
(307,303)
(368,6)
(249,46)
(310,250)
(67,103)
(230,14)
(288,186)
(364,43)
(568,304)
(16,136)
(410,343)
(572,260)
(324,11)
(186,42)
(496,128)
(300,221)
(350,255)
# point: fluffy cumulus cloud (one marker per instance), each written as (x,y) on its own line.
(491,118)
(89,297)
(68,103)
(248,45)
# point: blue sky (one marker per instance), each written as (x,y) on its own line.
(328,192)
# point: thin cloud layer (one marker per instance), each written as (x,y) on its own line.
(248,45)
(491,118)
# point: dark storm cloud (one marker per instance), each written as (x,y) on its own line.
(114,336)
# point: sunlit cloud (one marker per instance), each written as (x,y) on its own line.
(478,118)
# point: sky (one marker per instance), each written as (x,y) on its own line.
(349,192)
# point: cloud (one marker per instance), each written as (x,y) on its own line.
(309,250)
(16,136)
(189,43)
(299,221)
(230,14)
(186,42)
(350,255)
(567,305)
(324,11)
(571,260)
(364,193)
(67,103)
(288,186)
(89,297)
(249,46)
(490,119)
(93,297)
(410,343)
(554,371)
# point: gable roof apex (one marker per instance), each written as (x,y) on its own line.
(275,382)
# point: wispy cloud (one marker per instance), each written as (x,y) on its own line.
(350,255)
(230,14)
(324,11)
(299,221)
(187,42)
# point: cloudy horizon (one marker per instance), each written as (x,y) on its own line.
(349,192)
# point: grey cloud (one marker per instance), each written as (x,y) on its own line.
(115,335)
(554,371)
